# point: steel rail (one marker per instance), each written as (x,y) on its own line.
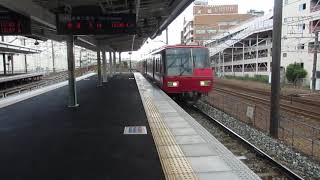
(266,93)
(286,107)
(286,170)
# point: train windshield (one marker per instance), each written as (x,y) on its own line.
(182,61)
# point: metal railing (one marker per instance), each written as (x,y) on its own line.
(258,26)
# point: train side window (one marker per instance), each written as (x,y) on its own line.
(157,65)
(161,65)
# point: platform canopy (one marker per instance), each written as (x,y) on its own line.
(151,16)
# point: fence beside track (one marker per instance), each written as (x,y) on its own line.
(300,132)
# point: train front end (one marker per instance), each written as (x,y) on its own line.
(188,72)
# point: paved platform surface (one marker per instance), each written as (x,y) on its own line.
(186,149)
(41,139)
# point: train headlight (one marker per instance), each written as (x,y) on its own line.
(173,83)
(205,83)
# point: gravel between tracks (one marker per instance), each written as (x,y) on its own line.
(303,165)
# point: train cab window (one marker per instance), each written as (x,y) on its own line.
(178,62)
(200,57)
(182,61)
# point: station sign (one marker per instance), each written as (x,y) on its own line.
(12,23)
(96,24)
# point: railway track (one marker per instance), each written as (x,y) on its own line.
(289,108)
(291,98)
(258,161)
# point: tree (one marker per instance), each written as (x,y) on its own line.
(294,72)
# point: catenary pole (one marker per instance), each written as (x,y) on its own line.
(276,61)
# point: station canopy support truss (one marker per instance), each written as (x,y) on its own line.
(152,17)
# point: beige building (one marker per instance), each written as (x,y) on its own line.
(209,20)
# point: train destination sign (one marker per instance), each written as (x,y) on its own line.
(96,24)
(12,23)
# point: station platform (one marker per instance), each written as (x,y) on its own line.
(43,139)
(19,77)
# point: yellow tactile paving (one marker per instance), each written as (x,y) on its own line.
(174,163)
(173,151)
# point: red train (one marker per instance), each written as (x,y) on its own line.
(182,70)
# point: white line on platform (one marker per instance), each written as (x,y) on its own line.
(23,96)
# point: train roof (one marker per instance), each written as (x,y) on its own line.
(176,46)
(182,46)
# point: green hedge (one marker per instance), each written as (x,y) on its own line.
(258,78)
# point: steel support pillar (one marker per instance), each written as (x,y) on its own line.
(71,72)
(114,63)
(4,59)
(243,59)
(99,68)
(53,57)
(223,68)
(12,64)
(276,61)
(167,36)
(219,69)
(104,66)
(232,58)
(120,62)
(4,64)
(257,55)
(25,58)
(110,64)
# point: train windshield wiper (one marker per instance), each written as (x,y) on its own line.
(182,66)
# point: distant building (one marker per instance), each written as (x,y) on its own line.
(255,12)
(238,53)
(42,61)
(300,21)
(201,2)
(210,20)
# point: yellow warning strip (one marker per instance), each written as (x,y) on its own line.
(173,161)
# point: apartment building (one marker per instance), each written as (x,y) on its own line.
(209,20)
(300,21)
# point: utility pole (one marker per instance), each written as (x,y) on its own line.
(276,61)
(315,59)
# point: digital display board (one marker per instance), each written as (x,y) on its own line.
(12,23)
(96,24)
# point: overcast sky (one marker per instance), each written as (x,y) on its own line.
(176,26)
